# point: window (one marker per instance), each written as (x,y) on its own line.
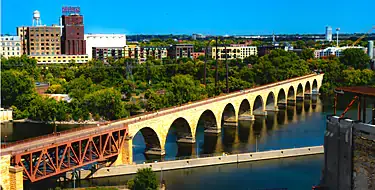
(8,48)
(42,44)
(13,48)
(3,48)
(47,34)
(42,48)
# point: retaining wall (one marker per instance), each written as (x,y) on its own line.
(199,162)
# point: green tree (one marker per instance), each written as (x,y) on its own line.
(356,58)
(16,88)
(145,180)
(107,103)
(307,54)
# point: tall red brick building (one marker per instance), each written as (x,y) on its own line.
(72,40)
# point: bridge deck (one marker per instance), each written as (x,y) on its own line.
(26,145)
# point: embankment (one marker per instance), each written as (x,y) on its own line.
(199,162)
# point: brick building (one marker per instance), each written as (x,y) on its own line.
(181,50)
(43,40)
(72,41)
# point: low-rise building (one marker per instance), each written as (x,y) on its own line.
(234,51)
(103,54)
(132,51)
(104,40)
(334,51)
(10,46)
(60,59)
(154,52)
(181,50)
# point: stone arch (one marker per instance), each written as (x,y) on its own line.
(182,128)
(300,90)
(308,88)
(315,87)
(291,93)
(146,142)
(207,123)
(258,106)
(244,110)
(281,99)
(270,102)
(228,115)
(151,138)
(178,138)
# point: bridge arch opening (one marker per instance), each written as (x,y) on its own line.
(245,109)
(206,142)
(179,140)
(315,87)
(270,103)
(308,88)
(229,115)
(300,90)
(291,93)
(144,140)
(281,99)
(258,108)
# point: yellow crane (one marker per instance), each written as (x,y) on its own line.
(363,36)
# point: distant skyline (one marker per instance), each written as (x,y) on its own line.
(242,17)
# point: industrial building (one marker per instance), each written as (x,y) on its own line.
(10,46)
(102,41)
(72,40)
(43,40)
(234,51)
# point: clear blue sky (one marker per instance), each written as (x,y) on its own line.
(198,16)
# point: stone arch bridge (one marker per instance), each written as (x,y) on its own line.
(37,159)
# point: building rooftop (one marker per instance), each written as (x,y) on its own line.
(360,90)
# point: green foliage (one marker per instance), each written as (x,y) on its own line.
(107,103)
(307,54)
(145,180)
(130,184)
(356,58)
(16,88)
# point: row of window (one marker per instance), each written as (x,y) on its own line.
(42,40)
(42,48)
(42,44)
(46,53)
(58,57)
(8,48)
(10,43)
(18,53)
(62,61)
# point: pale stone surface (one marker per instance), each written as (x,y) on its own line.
(16,178)
(4,172)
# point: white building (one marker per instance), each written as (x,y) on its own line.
(10,46)
(336,51)
(104,40)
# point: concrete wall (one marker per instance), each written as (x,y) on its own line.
(349,155)
(199,162)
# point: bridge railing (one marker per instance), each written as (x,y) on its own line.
(56,134)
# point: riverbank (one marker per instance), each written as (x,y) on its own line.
(87,122)
(199,162)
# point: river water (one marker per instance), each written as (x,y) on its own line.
(297,126)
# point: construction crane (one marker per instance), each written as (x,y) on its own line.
(363,36)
